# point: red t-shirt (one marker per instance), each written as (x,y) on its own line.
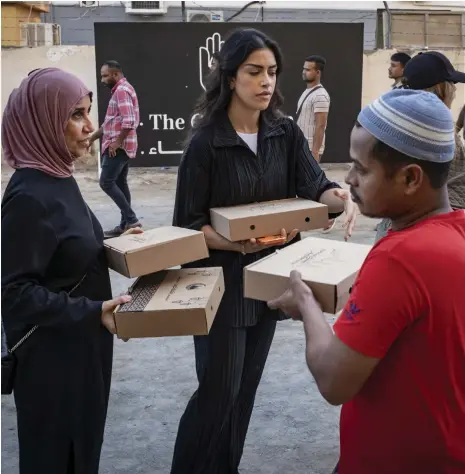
(407,308)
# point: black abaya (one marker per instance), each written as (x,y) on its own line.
(50,241)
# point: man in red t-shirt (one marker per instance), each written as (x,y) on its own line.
(396,359)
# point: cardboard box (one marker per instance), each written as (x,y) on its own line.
(156,249)
(264,219)
(329,268)
(172,303)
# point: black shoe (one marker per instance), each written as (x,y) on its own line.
(115,232)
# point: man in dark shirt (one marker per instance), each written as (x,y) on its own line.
(396,69)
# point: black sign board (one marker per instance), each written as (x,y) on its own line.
(165,63)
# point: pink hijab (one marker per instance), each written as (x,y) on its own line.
(35,119)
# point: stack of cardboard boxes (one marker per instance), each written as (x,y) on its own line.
(168,302)
(165,301)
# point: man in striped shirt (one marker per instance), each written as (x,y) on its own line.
(119,144)
(313,106)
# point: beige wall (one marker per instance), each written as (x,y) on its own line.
(80,60)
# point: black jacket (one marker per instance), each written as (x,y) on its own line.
(218,169)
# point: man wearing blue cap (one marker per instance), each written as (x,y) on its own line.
(396,359)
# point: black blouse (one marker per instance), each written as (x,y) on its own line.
(218,169)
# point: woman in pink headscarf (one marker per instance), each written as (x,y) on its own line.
(55,276)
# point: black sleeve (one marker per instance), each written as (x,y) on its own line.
(28,245)
(311,180)
(191,208)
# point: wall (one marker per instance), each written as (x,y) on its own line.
(77,24)
(12,17)
(80,60)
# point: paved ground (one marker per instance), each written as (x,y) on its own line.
(293,430)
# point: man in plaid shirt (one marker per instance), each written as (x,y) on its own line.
(119,144)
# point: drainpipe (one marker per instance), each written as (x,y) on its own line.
(389,25)
(183,11)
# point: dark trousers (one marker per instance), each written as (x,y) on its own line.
(212,431)
(57,456)
(114,182)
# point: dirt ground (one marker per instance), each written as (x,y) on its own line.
(293,430)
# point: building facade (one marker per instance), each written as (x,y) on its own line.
(77,22)
(405,25)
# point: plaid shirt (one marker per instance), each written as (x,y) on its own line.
(122,112)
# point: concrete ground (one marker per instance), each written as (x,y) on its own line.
(293,430)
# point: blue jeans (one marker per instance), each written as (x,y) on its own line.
(114,182)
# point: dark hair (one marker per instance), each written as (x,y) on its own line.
(392,160)
(402,58)
(320,61)
(113,65)
(238,46)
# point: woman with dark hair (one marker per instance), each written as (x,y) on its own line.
(55,280)
(241,150)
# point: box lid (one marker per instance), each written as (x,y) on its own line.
(173,289)
(318,260)
(149,238)
(266,208)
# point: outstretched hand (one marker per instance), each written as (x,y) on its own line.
(350,210)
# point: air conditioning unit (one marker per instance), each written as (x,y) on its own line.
(34,35)
(146,8)
(88,4)
(204,16)
(23,42)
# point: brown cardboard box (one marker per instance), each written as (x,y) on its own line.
(264,219)
(172,303)
(329,268)
(156,249)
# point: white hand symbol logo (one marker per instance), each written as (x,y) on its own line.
(206,55)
